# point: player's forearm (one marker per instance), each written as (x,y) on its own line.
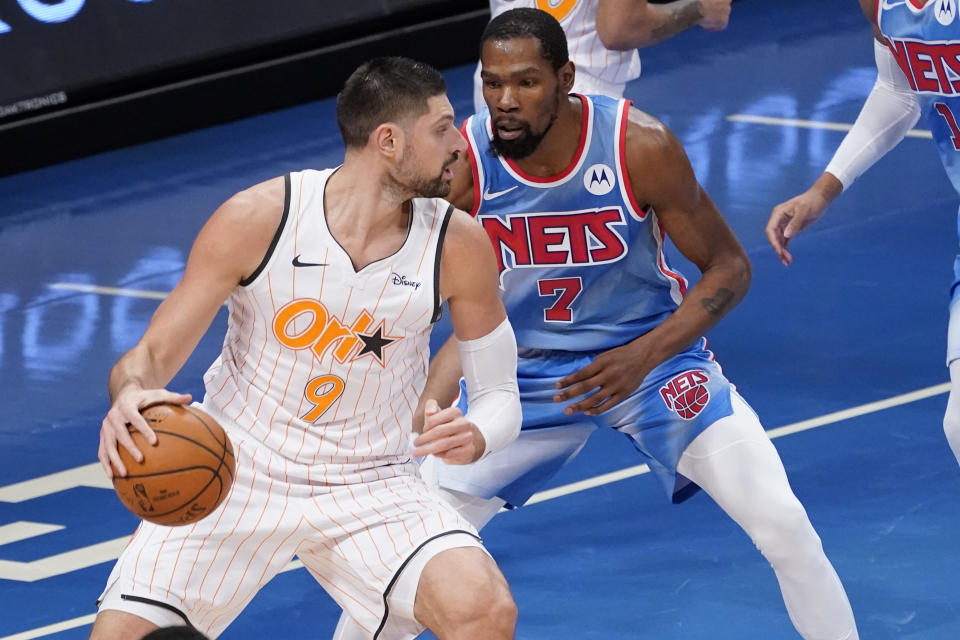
(443,380)
(137,368)
(628,24)
(721,287)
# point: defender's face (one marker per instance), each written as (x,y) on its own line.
(522,91)
(433,145)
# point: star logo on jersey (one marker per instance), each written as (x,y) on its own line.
(374,343)
(599,179)
(945,11)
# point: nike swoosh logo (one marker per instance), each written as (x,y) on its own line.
(297,263)
(490,196)
(890,5)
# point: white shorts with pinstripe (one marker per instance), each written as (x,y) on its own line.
(354,539)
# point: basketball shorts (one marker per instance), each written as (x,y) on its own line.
(674,404)
(356,540)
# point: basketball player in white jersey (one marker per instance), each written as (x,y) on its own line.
(603,35)
(333,281)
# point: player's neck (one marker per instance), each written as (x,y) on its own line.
(561,143)
(362,214)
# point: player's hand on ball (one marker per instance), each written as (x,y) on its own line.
(125,413)
(611,377)
(448,436)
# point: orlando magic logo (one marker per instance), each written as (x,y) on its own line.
(599,179)
(946,11)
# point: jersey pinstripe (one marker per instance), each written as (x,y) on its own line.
(322,363)
(579,21)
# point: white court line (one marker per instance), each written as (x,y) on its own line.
(596,481)
(808,124)
(109,291)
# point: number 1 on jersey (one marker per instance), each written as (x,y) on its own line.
(566,290)
(944,110)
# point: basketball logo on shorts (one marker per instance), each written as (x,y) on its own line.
(687,394)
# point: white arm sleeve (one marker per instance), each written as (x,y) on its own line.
(889,113)
(490,371)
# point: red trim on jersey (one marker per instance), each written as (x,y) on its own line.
(624,120)
(662,260)
(587,114)
(473,166)
(876,11)
(919,4)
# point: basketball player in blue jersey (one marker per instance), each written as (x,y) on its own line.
(915,47)
(576,194)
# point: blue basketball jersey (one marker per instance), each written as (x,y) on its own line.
(925,40)
(581,262)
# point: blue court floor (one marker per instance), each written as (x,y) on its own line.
(858,321)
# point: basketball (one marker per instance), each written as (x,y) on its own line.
(186,475)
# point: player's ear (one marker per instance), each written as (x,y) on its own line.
(388,139)
(566,74)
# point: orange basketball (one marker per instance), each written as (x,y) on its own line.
(186,475)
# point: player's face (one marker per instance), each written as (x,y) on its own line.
(522,91)
(433,145)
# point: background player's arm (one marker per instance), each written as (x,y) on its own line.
(889,112)
(629,24)
(227,249)
(484,344)
(661,176)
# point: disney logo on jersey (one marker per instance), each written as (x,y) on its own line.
(930,67)
(571,238)
(401,280)
(305,323)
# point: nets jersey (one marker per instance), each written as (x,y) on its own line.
(324,364)
(579,21)
(925,41)
(581,262)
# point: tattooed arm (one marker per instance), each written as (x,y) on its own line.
(661,177)
(628,24)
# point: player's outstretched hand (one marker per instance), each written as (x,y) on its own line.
(448,436)
(716,14)
(791,217)
(611,377)
(124,412)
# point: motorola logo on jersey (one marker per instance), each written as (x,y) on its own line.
(305,323)
(528,240)
(929,67)
(946,11)
(599,179)
(687,394)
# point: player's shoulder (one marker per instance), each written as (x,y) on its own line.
(260,204)
(463,232)
(648,134)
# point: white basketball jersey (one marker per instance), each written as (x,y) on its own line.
(324,364)
(579,21)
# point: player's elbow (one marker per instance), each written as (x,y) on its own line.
(741,272)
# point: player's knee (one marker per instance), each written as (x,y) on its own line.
(784,534)
(478,601)
(951,423)
(119,625)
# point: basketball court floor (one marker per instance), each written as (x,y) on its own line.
(841,355)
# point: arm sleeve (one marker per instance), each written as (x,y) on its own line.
(889,113)
(490,371)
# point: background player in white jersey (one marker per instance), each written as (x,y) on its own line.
(904,89)
(333,281)
(603,35)
(576,193)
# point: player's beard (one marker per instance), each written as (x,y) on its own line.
(522,146)
(438,187)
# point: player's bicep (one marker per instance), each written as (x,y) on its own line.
(469,280)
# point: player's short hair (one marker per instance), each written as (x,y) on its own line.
(388,89)
(531,23)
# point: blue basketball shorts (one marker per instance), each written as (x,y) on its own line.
(674,404)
